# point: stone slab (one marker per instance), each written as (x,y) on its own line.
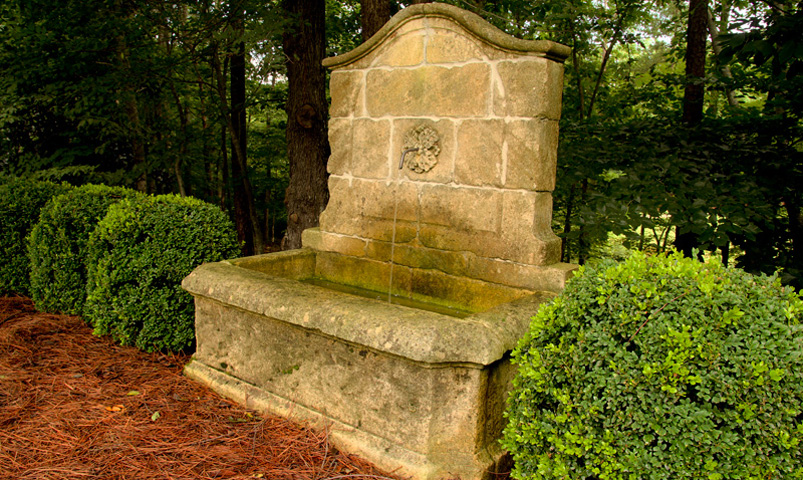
(429,91)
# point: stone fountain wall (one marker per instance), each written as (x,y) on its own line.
(475,199)
(465,223)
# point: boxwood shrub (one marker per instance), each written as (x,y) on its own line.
(138,255)
(661,368)
(20,203)
(57,246)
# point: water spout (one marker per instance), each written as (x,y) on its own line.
(404,154)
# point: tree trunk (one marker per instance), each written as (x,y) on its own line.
(724,69)
(132,113)
(694,94)
(234,118)
(304,43)
(374,14)
(239,165)
(794,212)
(223,170)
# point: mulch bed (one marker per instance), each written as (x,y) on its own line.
(75,406)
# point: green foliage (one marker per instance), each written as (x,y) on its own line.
(138,255)
(20,203)
(705,179)
(661,368)
(57,246)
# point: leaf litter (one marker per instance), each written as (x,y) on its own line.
(76,406)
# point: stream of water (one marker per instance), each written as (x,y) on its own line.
(393,239)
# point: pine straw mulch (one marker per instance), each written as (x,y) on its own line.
(75,406)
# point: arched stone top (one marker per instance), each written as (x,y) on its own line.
(474,24)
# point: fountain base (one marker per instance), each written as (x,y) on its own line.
(414,391)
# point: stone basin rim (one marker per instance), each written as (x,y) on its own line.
(475,24)
(418,335)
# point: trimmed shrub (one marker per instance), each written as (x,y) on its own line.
(138,255)
(57,246)
(661,368)
(20,203)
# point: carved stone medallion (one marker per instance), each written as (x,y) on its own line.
(426,142)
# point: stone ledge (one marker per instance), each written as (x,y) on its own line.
(471,22)
(417,335)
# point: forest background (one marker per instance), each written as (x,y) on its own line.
(681,122)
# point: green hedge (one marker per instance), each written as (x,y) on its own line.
(661,368)
(57,246)
(138,255)
(20,203)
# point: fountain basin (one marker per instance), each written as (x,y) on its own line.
(413,390)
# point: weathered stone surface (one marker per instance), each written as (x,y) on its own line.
(389,201)
(429,91)
(480,152)
(289,264)
(470,294)
(399,377)
(527,237)
(363,273)
(346,245)
(340,141)
(448,44)
(401,51)
(447,238)
(346,90)
(532,147)
(549,278)
(387,230)
(528,89)
(370,148)
(417,256)
(343,212)
(464,209)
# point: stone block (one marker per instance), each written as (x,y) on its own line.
(441,237)
(340,141)
(430,91)
(343,212)
(448,45)
(347,96)
(532,147)
(321,373)
(389,201)
(467,294)
(550,278)
(443,171)
(363,273)
(311,238)
(346,245)
(403,49)
(478,49)
(463,209)
(416,256)
(370,148)
(295,264)
(526,88)
(526,231)
(479,160)
(373,228)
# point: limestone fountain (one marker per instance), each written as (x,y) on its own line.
(392,326)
